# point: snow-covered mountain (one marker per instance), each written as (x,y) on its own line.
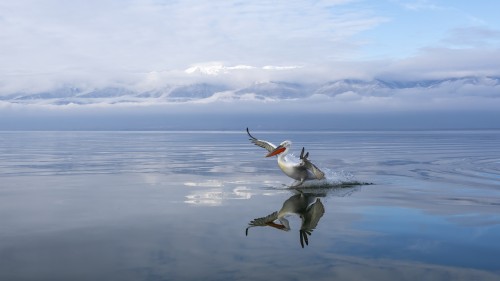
(277,90)
(272,90)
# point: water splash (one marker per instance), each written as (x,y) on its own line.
(332,178)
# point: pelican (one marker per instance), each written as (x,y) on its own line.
(300,171)
(306,206)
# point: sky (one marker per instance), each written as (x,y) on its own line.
(59,39)
(147,43)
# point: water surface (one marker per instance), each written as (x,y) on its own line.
(175,205)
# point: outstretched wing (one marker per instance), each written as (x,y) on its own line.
(262,143)
(310,166)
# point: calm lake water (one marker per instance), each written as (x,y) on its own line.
(175,206)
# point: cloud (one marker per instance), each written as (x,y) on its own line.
(476,36)
(153,35)
(419,5)
(49,43)
(439,63)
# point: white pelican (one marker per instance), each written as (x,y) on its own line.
(298,170)
(308,207)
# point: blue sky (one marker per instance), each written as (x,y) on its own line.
(415,25)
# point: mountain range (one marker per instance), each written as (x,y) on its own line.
(263,91)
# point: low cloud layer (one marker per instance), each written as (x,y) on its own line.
(458,103)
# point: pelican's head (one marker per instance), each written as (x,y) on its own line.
(281,149)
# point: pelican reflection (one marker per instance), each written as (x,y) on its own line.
(308,207)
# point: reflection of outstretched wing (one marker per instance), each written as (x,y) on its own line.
(266,221)
(312,216)
(310,166)
(262,143)
(310,220)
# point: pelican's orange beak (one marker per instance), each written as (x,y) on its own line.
(276,151)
